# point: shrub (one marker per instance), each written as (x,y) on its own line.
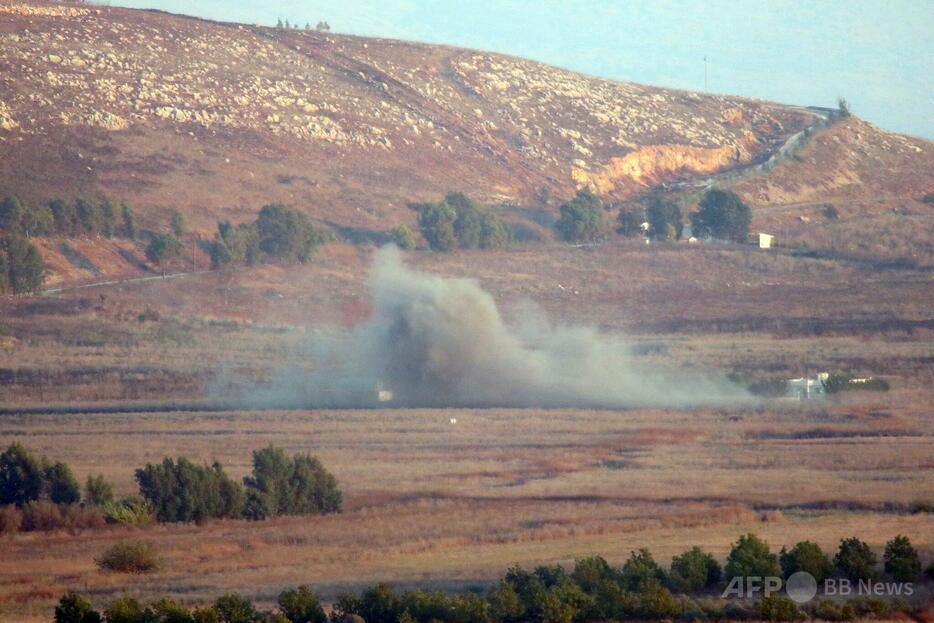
(74,608)
(458,222)
(901,559)
(129,557)
(806,556)
(829,610)
(98,491)
(11,519)
(664,218)
(11,215)
(301,605)
(281,485)
(639,569)
(855,560)
(403,237)
(776,607)
(722,214)
(750,556)
(42,515)
(694,570)
(182,491)
(76,517)
(582,218)
(131,511)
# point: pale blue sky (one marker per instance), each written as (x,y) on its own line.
(879,54)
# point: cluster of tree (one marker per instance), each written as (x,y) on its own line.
(293,605)
(457,222)
(57,217)
(37,494)
(720,214)
(179,490)
(321,26)
(278,233)
(592,591)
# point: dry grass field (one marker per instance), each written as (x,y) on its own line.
(429,502)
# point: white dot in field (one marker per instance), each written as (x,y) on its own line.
(453,420)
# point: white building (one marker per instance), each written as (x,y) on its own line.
(766,240)
(807,388)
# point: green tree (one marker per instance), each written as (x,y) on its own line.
(21,476)
(806,556)
(855,560)
(60,485)
(162,249)
(493,233)
(280,485)
(722,214)
(590,572)
(25,270)
(35,220)
(630,222)
(183,491)
(235,608)
(750,556)
(64,217)
(379,604)
(11,215)
(88,216)
(285,233)
(436,222)
(694,570)
(639,569)
(468,220)
(97,491)
(901,559)
(505,604)
(177,223)
(403,237)
(220,253)
(582,218)
(75,608)
(127,221)
(301,605)
(107,218)
(664,218)
(127,610)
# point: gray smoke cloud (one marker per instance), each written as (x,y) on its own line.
(436,341)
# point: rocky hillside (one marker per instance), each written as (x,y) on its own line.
(217,119)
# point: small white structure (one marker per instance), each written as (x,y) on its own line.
(453,420)
(383,394)
(807,388)
(766,240)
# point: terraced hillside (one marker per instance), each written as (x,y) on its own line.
(217,118)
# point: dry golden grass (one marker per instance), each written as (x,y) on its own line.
(433,503)
(430,503)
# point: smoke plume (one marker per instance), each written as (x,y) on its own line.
(434,341)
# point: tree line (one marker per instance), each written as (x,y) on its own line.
(456,222)
(37,494)
(57,217)
(279,233)
(721,214)
(593,590)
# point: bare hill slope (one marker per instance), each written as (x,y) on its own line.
(216,118)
